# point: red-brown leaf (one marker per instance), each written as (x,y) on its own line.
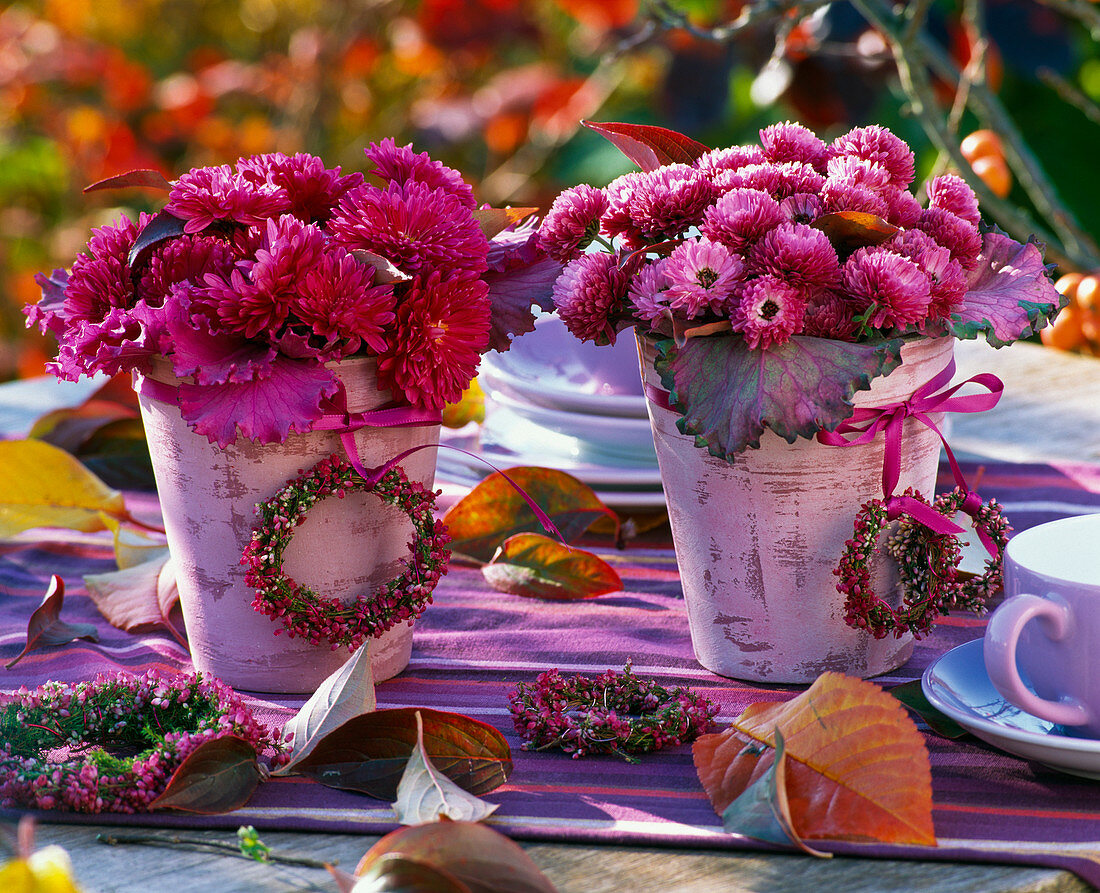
(138,598)
(849,230)
(858,768)
(494,510)
(531,564)
(393,873)
(649,146)
(494,221)
(483,859)
(46,627)
(147,179)
(368,753)
(217,776)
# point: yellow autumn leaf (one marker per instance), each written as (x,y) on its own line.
(469,408)
(47,870)
(46,487)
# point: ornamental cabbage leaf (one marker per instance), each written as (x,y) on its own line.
(1010,294)
(728,393)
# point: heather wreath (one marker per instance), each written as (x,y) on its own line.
(776,280)
(256,277)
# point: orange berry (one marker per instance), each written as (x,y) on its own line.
(1067,284)
(995,174)
(1087,295)
(981,144)
(1065,332)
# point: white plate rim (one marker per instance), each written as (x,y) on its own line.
(545,392)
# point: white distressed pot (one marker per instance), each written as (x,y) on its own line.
(344,547)
(757,539)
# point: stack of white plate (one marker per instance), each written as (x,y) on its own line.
(557,402)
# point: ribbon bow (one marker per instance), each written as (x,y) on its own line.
(865,423)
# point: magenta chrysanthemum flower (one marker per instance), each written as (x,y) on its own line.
(802,207)
(648,292)
(589,296)
(798,254)
(903,209)
(879,145)
(337,299)
(209,194)
(844,195)
(946,276)
(101,279)
(793,142)
(572,222)
(186,259)
(415,227)
(951,192)
(958,236)
(441,329)
(829,316)
(313,189)
(400,164)
(115,240)
(768,312)
(257,296)
(779,180)
(889,290)
(701,276)
(740,217)
(731,159)
(656,205)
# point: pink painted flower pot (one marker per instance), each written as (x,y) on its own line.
(757,539)
(208,497)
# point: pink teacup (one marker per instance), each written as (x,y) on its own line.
(1042,644)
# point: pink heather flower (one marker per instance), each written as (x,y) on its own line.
(648,292)
(701,275)
(206,195)
(337,299)
(879,145)
(829,316)
(779,180)
(843,195)
(768,312)
(950,192)
(312,188)
(656,205)
(572,222)
(890,289)
(588,296)
(802,207)
(798,254)
(416,227)
(740,217)
(793,142)
(400,164)
(186,259)
(958,236)
(442,328)
(731,159)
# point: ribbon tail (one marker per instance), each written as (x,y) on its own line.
(922,513)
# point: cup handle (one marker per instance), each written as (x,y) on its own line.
(1001,638)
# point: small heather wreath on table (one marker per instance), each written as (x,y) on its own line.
(927,564)
(112,744)
(612,713)
(302,611)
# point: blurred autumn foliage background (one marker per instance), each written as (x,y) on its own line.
(497,88)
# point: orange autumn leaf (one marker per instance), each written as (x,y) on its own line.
(495,509)
(857,767)
(537,566)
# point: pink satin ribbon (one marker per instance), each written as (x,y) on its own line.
(337,418)
(865,423)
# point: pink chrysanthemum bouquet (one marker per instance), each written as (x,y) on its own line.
(778,279)
(254,277)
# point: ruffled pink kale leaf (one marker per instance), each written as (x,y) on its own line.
(1010,294)
(520,275)
(265,409)
(49,313)
(728,393)
(212,357)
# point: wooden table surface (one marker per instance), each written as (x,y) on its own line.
(1050,412)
